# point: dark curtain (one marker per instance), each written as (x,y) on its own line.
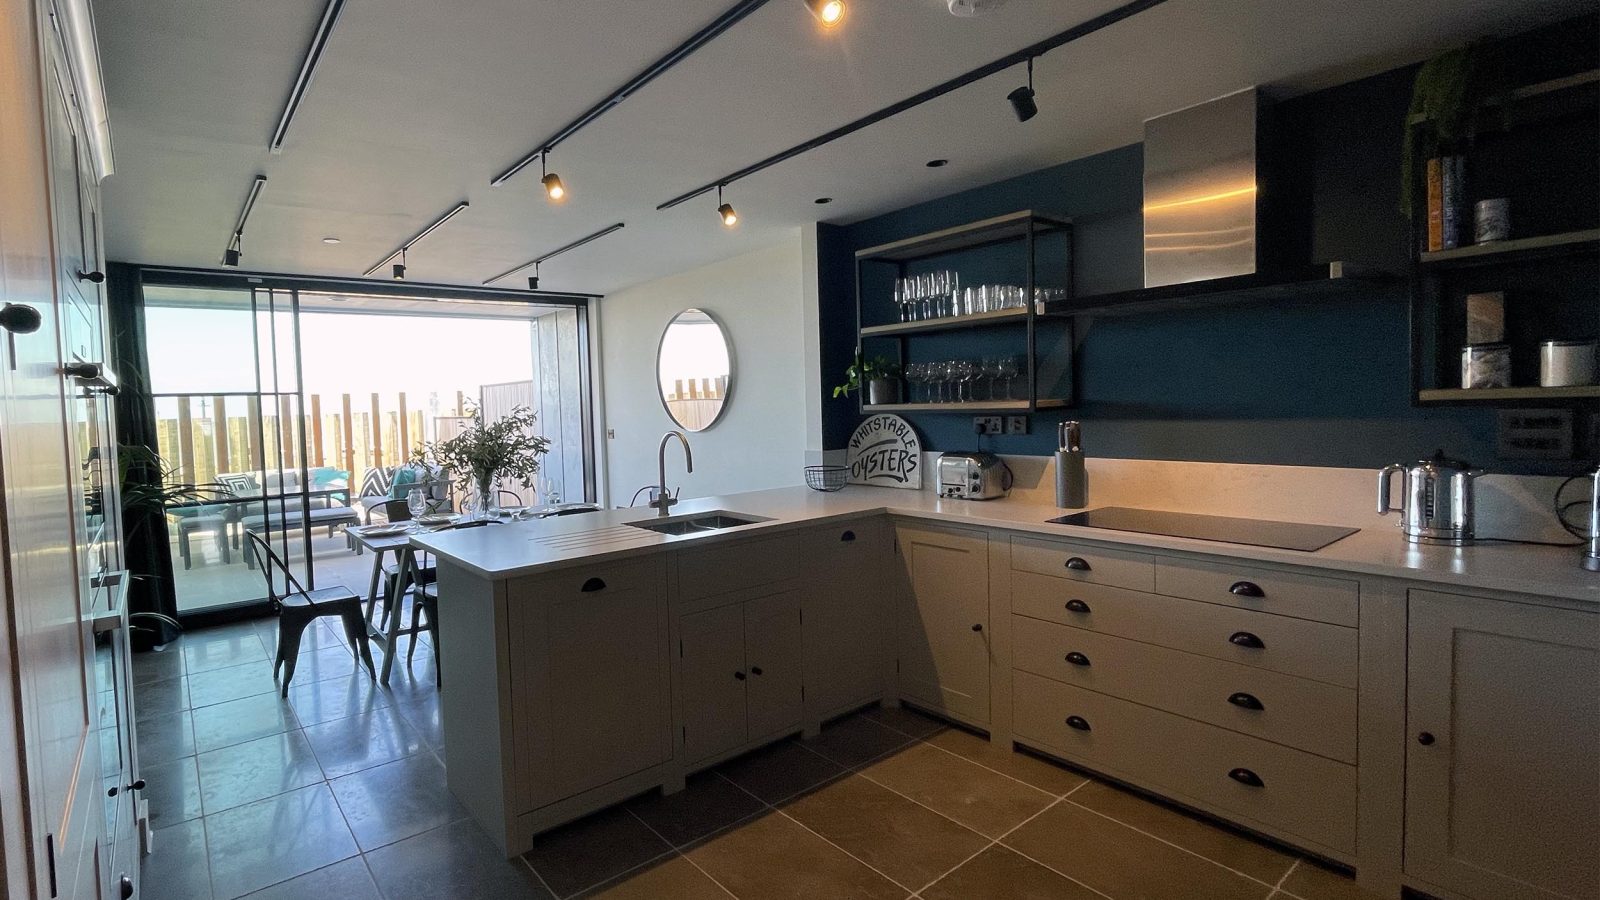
(144,525)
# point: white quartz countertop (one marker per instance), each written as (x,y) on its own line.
(530,547)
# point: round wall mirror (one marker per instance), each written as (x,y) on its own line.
(694,368)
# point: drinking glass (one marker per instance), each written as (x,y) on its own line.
(416,502)
(1008,370)
(991,371)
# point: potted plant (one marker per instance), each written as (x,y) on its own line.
(881,377)
(150,490)
(1452,99)
(487,451)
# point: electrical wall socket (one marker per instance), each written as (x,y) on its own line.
(1016,424)
(1534,434)
(988,425)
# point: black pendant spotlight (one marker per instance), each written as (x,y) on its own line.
(230,256)
(400,267)
(533,280)
(828,12)
(1022,102)
(725,210)
(553,188)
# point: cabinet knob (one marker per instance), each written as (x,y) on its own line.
(977,626)
(125,888)
(20,318)
(1078,564)
(755,670)
(1246,639)
(1246,589)
(848,536)
(1078,723)
(137,785)
(1077,659)
(1245,701)
(96,277)
(738,676)
(113,791)
(1425,738)
(594,584)
(1077,606)
(1245,776)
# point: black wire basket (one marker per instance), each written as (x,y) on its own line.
(826,478)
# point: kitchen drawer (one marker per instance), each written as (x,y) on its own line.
(620,577)
(1311,597)
(1292,792)
(708,571)
(1081,562)
(1309,715)
(1293,646)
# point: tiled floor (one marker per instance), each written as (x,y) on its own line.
(339,793)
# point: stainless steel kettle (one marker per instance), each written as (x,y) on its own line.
(1437,506)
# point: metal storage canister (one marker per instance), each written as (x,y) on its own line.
(1486,366)
(1566,363)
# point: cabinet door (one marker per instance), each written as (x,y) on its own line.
(1503,765)
(711,681)
(846,614)
(772,659)
(944,620)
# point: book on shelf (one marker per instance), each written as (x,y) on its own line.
(1453,200)
(1435,182)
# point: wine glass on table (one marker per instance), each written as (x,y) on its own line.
(416,503)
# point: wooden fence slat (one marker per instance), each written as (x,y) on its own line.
(316,430)
(185,441)
(219,426)
(348,423)
(405,436)
(253,419)
(377,434)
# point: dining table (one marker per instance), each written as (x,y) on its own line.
(382,540)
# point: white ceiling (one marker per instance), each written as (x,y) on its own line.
(418,103)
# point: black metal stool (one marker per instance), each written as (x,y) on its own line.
(297,607)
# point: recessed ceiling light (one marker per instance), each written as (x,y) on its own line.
(937,163)
(821,200)
(330,240)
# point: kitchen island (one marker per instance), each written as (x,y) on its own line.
(1300,695)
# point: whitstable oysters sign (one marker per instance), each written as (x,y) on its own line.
(886,452)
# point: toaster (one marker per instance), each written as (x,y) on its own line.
(972,476)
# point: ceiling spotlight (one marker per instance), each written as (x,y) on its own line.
(553,188)
(828,12)
(533,280)
(230,256)
(330,240)
(400,267)
(1022,98)
(725,210)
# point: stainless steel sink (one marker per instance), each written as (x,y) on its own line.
(698,523)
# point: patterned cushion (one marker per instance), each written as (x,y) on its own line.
(375,482)
(241,484)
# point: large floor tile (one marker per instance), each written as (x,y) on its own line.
(774,857)
(173,790)
(1042,774)
(708,803)
(1237,852)
(671,878)
(255,770)
(999,874)
(1310,881)
(178,865)
(395,801)
(457,860)
(273,840)
(158,665)
(242,720)
(335,662)
(909,843)
(160,698)
(165,738)
(780,771)
(423,714)
(363,741)
(593,850)
(219,648)
(978,798)
(336,698)
(906,720)
(856,740)
(221,685)
(1116,860)
(347,880)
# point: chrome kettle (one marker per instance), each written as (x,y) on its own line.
(1437,505)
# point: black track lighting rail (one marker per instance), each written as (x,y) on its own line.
(308,71)
(678,54)
(244,215)
(557,252)
(418,236)
(1081,30)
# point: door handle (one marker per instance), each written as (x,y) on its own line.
(20,318)
(755,670)
(1246,589)
(738,676)
(1078,723)
(978,627)
(594,584)
(1077,606)
(95,277)
(1245,701)
(1078,564)
(1077,659)
(1246,639)
(848,536)
(1247,777)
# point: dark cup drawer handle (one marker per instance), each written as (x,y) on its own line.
(755,670)
(1246,589)
(1078,564)
(1246,639)
(1425,739)
(594,584)
(1245,701)
(978,627)
(848,536)
(1245,776)
(1077,659)
(1077,606)
(1078,723)
(738,676)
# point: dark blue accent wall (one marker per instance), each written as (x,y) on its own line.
(1303,382)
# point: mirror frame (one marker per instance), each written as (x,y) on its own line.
(733,367)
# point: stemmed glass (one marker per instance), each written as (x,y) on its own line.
(416,503)
(1007,369)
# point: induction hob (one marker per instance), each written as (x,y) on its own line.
(1254,532)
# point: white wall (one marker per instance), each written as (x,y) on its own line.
(760,441)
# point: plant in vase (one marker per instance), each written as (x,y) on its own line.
(506,448)
(880,376)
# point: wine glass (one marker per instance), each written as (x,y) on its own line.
(416,502)
(1008,370)
(992,368)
